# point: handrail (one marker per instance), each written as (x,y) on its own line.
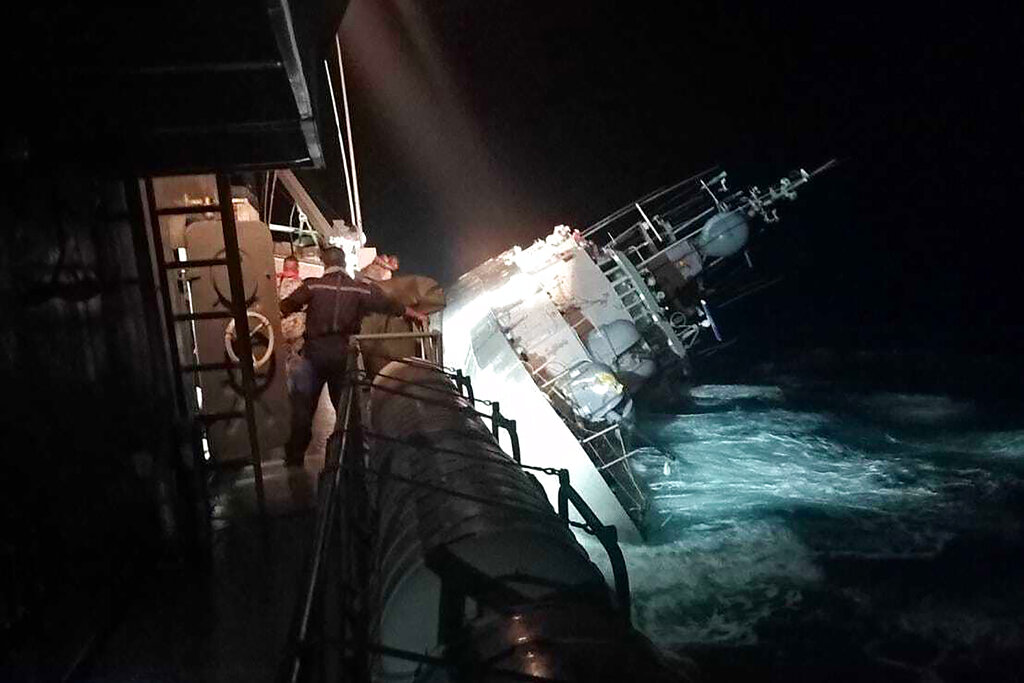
(498,421)
(606,534)
(395,335)
(324,523)
(339,465)
(436,354)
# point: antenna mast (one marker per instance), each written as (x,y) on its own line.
(341,143)
(358,218)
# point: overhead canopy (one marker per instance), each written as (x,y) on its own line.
(169,86)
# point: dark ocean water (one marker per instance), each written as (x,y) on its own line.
(853,535)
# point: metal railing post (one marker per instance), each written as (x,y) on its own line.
(513,435)
(331,480)
(563,494)
(495,419)
(608,536)
(241,314)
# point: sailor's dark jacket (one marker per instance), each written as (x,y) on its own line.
(335,304)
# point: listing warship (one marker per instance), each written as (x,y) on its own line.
(568,330)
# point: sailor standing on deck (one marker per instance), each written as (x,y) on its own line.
(293,326)
(335,305)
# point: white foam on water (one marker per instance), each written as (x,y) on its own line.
(721,393)
(757,498)
(920,409)
(735,463)
(714,588)
(1001,445)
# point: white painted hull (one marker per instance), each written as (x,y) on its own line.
(474,342)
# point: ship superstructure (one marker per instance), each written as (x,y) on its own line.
(570,328)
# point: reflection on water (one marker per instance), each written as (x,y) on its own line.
(882,528)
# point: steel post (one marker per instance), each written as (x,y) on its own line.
(241,313)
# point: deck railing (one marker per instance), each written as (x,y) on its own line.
(329,639)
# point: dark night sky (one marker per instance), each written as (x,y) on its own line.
(480,125)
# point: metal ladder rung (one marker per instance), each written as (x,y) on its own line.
(232,252)
(206,315)
(206,367)
(196,263)
(223,208)
(186,210)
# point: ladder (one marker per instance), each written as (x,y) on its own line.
(627,290)
(640,302)
(199,420)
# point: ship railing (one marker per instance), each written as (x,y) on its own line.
(310,619)
(431,349)
(596,450)
(606,534)
(329,637)
(652,313)
(686,186)
(606,453)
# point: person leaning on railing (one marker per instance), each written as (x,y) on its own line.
(335,304)
(415,291)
